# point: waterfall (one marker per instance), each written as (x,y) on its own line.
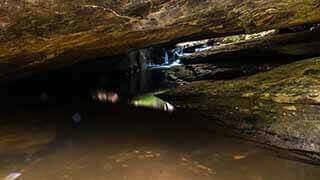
(166,58)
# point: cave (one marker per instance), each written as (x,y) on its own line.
(159,89)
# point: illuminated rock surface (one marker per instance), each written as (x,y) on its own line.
(41,35)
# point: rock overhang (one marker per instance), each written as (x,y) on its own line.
(42,35)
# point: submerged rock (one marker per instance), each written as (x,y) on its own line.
(280,107)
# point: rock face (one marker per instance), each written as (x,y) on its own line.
(217,69)
(280,107)
(305,43)
(37,35)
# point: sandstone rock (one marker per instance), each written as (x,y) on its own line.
(222,69)
(280,107)
(37,35)
(304,43)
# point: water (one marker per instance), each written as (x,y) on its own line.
(169,62)
(84,139)
(151,101)
(164,66)
(113,142)
(204,48)
(166,58)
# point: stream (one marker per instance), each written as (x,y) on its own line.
(114,142)
(121,131)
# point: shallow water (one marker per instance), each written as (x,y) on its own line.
(113,142)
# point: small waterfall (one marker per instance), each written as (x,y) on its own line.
(170,59)
(166,58)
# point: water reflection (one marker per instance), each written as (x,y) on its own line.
(105,96)
(142,82)
(152,101)
(147,100)
(13,176)
(136,144)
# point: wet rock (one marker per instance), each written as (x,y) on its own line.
(219,70)
(137,60)
(280,107)
(196,72)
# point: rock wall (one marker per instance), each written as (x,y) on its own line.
(280,107)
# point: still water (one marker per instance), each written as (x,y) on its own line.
(115,142)
(96,128)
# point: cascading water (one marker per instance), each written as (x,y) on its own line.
(166,58)
(169,61)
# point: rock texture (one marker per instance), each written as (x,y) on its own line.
(218,69)
(37,35)
(305,43)
(280,107)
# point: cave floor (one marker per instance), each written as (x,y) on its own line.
(128,143)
